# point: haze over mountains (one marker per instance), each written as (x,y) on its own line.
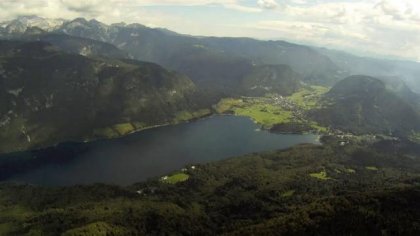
(66,82)
(50,64)
(165,47)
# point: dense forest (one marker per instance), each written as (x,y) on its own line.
(361,188)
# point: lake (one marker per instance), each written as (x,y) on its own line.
(145,154)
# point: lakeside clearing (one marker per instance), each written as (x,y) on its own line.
(274,110)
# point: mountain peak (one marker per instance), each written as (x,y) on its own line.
(357,85)
(80,20)
(22,23)
(364,104)
(135,25)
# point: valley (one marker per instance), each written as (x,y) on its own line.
(122,95)
(125,129)
(274,110)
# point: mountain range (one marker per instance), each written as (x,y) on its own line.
(49,96)
(162,46)
(81,80)
(129,76)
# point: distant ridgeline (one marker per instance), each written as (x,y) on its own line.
(207,59)
(80,79)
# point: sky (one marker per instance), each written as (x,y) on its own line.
(388,28)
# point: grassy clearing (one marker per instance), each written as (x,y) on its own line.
(98,228)
(271,176)
(288,193)
(272,110)
(258,109)
(350,171)
(124,128)
(119,130)
(309,97)
(314,125)
(266,115)
(175,178)
(105,132)
(115,130)
(139,125)
(190,115)
(227,104)
(320,175)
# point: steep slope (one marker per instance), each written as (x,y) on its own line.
(48,96)
(68,43)
(82,46)
(264,79)
(363,104)
(314,67)
(170,49)
(216,70)
(87,29)
(210,68)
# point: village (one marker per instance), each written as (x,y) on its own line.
(299,115)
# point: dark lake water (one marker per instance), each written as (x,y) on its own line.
(145,154)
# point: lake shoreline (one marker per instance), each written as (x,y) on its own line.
(141,155)
(210,115)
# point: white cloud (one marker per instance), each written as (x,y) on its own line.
(267,4)
(299,1)
(378,26)
(102,9)
(400,10)
(388,27)
(83,6)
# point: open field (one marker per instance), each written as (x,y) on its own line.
(309,97)
(274,109)
(175,178)
(320,175)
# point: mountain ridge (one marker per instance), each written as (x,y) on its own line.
(317,66)
(166,47)
(364,104)
(77,97)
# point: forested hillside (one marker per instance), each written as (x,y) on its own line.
(359,188)
(49,96)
